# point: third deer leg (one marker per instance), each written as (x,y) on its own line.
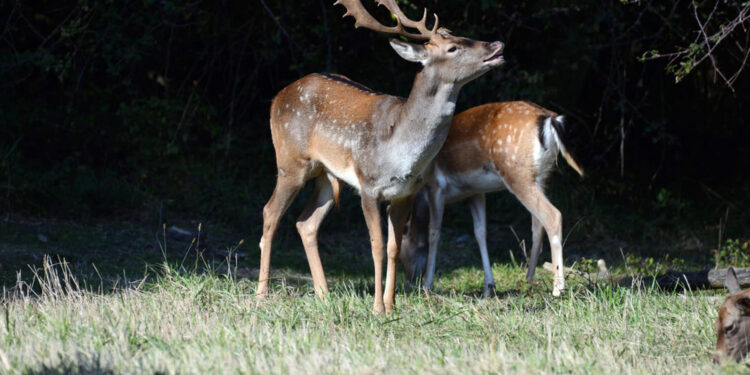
(308,224)
(536,202)
(372,218)
(479,216)
(283,194)
(437,205)
(397,214)
(537,232)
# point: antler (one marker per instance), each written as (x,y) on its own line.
(363,18)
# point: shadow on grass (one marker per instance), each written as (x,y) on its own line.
(115,252)
(80,366)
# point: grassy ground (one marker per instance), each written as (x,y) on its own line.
(119,307)
(209,322)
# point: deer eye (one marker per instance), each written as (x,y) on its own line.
(452,49)
(729,328)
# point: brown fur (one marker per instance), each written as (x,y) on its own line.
(733,324)
(484,143)
(328,128)
(474,136)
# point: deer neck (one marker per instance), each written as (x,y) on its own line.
(425,120)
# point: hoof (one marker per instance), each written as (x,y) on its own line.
(558,286)
(489,291)
(388,309)
(378,308)
(556,291)
(261,293)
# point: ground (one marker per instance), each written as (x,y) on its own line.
(130,296)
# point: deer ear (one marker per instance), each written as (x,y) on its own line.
(410,51)
(731,281)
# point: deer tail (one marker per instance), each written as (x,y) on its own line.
(558,130)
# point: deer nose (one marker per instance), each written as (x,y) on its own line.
(497,45)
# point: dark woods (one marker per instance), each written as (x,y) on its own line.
(114,107)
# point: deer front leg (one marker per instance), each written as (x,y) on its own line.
(437,205)
(372,218)
(308,224)
(479,217)
(398,211)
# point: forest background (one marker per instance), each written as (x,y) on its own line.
(147,110)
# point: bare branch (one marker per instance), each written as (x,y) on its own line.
(704,46)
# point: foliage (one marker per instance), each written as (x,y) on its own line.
(735,252)
(715,22)
(147,105)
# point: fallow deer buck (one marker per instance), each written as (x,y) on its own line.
(492,147)
(733,324)
(329,128)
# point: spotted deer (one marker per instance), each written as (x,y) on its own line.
(733,324)
(329,128)
(492,147)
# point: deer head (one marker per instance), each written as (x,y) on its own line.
(450,58)
(733,324)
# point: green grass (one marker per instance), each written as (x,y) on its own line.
(129,300)
(208,321)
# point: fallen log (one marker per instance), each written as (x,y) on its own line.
(717,276)
(713,278)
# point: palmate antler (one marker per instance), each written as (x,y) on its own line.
(363,18)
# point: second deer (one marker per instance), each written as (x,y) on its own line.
(492,147)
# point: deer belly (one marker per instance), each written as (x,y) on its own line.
(335,158)
(465,184)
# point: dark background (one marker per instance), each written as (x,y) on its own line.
(144,110)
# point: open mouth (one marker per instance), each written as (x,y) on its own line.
(497,57)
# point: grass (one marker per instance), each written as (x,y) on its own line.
(208,321)
(128,299)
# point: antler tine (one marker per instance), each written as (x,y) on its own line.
(363,18)
(419,25)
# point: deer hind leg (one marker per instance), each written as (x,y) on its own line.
(398,211)
(437,206)
(287,187)
(537,231)
(308,224)
(479,216)
(371,212)
(536,202)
